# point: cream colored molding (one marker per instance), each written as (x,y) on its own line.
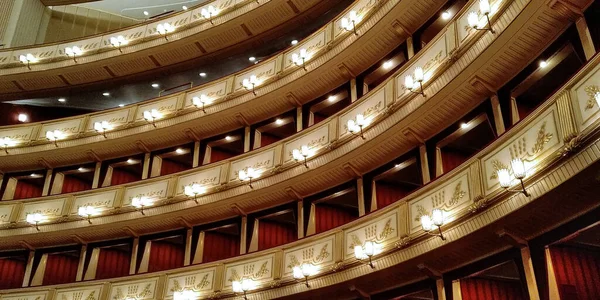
(39,295)
(138,289)
(382,230)
(259,269)
(318,253)
(78,293)
(202,282)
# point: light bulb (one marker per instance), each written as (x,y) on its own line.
(297,272)
(358,252)
(352,126)
(426,223)
(409,83)
(360,120)
(304,150)
(296,154)
(518,168)
(437,216)
(369,248)
(484,6)
(419,74)
(504,178)
(446,15)
(473,19)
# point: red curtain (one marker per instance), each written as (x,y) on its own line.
(478,289)
(60,268)
(452,159)
(12,272)
(170,167)
(73,184)
(165,256)
(318,118)
(577,272)
(112,263)
(388,194)
(220,246)
(272,234)
(25,190)
(122,177)
(218,155)
(327,217)
(266,139)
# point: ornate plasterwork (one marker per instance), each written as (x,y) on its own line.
(382,231)
(139,289)
(258,270)
(318,253)
(198,281)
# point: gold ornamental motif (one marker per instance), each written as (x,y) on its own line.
(438,200)
(591,91)
(249,269)
(371,234)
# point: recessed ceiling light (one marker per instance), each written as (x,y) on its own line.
(121,105)
(62,100)
(446,15)
(388,64)
(155,85)
(33,175)
(464,125)
(294,42)
(146,13)
(202,74)
(81,169)
(228,138)
(184,7)
(331,98)
(543,64)
(130,161)
(251,58)
(22,117)
(279,121)
(106,94)
(179,151)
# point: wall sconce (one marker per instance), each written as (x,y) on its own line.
(302,272)
(102,127)
(118,41)
(300,58)
(250,83)
(356,127)
(5,142)
(208,13)
(248,175)
(409,82)
(35,219)
(349,23)
(27,59)
(473,18)
(201,101)
(243,286)
(518,171)
(435,220)
(152,115)
(141,202)
(302,154)
(164,29)
(54,135)
(193,190)
(185,294)
(365,253)
(87,212)
(73,52)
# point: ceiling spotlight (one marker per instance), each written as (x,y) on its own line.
(251,58)
(106,94)
(155,85)
(179,151)
(464,125)
(146,13)
(294,42)
(388,64)
(130,161)
(184,7)
(446,15)
(121,105)
(202,74)
(81,169)
(62,100)
(279,121)
(22,117)
(331,98)
(228,138)
(543,64)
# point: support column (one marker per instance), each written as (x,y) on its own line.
(246,139)
(441,292)
(196,159)
(299,119)
(28,268)
(96,180)
(134,251)
(353,91)
(585,37)
(300,224)
(553,293)
(497,111)
(410,47)
(146,166)
(456,293)
(243,235)
(529,274)
(424,164)
(439,165)
(188,248)
(47,181)
(82,257)
(199,254)
(360,189)
(514,111)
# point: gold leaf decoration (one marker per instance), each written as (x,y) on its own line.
(262,271)
(387,230)
(203,283)
(145,292)
(293,262)
(234,276)
(355,241)
(421,211)
(323,254)
(176,286)
(458,194)
(119,295)
(91,296)
(497,165)
(542,139)
(591,91)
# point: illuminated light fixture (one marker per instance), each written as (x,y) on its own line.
(121,105)
(388,64)
(331,98)
(356,126)
(302,154)
(349,23)
(278,121)
(365,253)
(185,294)
(179,151)
(248,175)
(87,212)
(27,59)
(228,138)
(250,83)
(202,74)
(184,7)
(146,13)
(130,161)
(519,173)
(299,59)
(118,41)
(35,219)
(81,169)
(62,100)
(243,286)
(208,13)
(73,52)
(155,85)
(303,272)
(102,127)
(409,81)
(6,142)
(435,220)
(106,94)
(543,64)
(464,125)
(251,58)
(141,202)
(294,42)
(151,116)
(34,175)
(164,29)
(201,101)
(446,15)
(22,118)
(54,135)
(473,17)
(193,190)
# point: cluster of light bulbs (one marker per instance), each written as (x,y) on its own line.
(141,202)
(102,127)
(250,83)
(54,136)
(349,23)
(248,175)
(518,172)
(6,142)
(193,190)
(435,221)
(87,212)
(201,101)
(35,219)
(164,29)
(302,154)
(473,17)
(356,126)
(299,59)
(419,77)
(208,13)
(151,116)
